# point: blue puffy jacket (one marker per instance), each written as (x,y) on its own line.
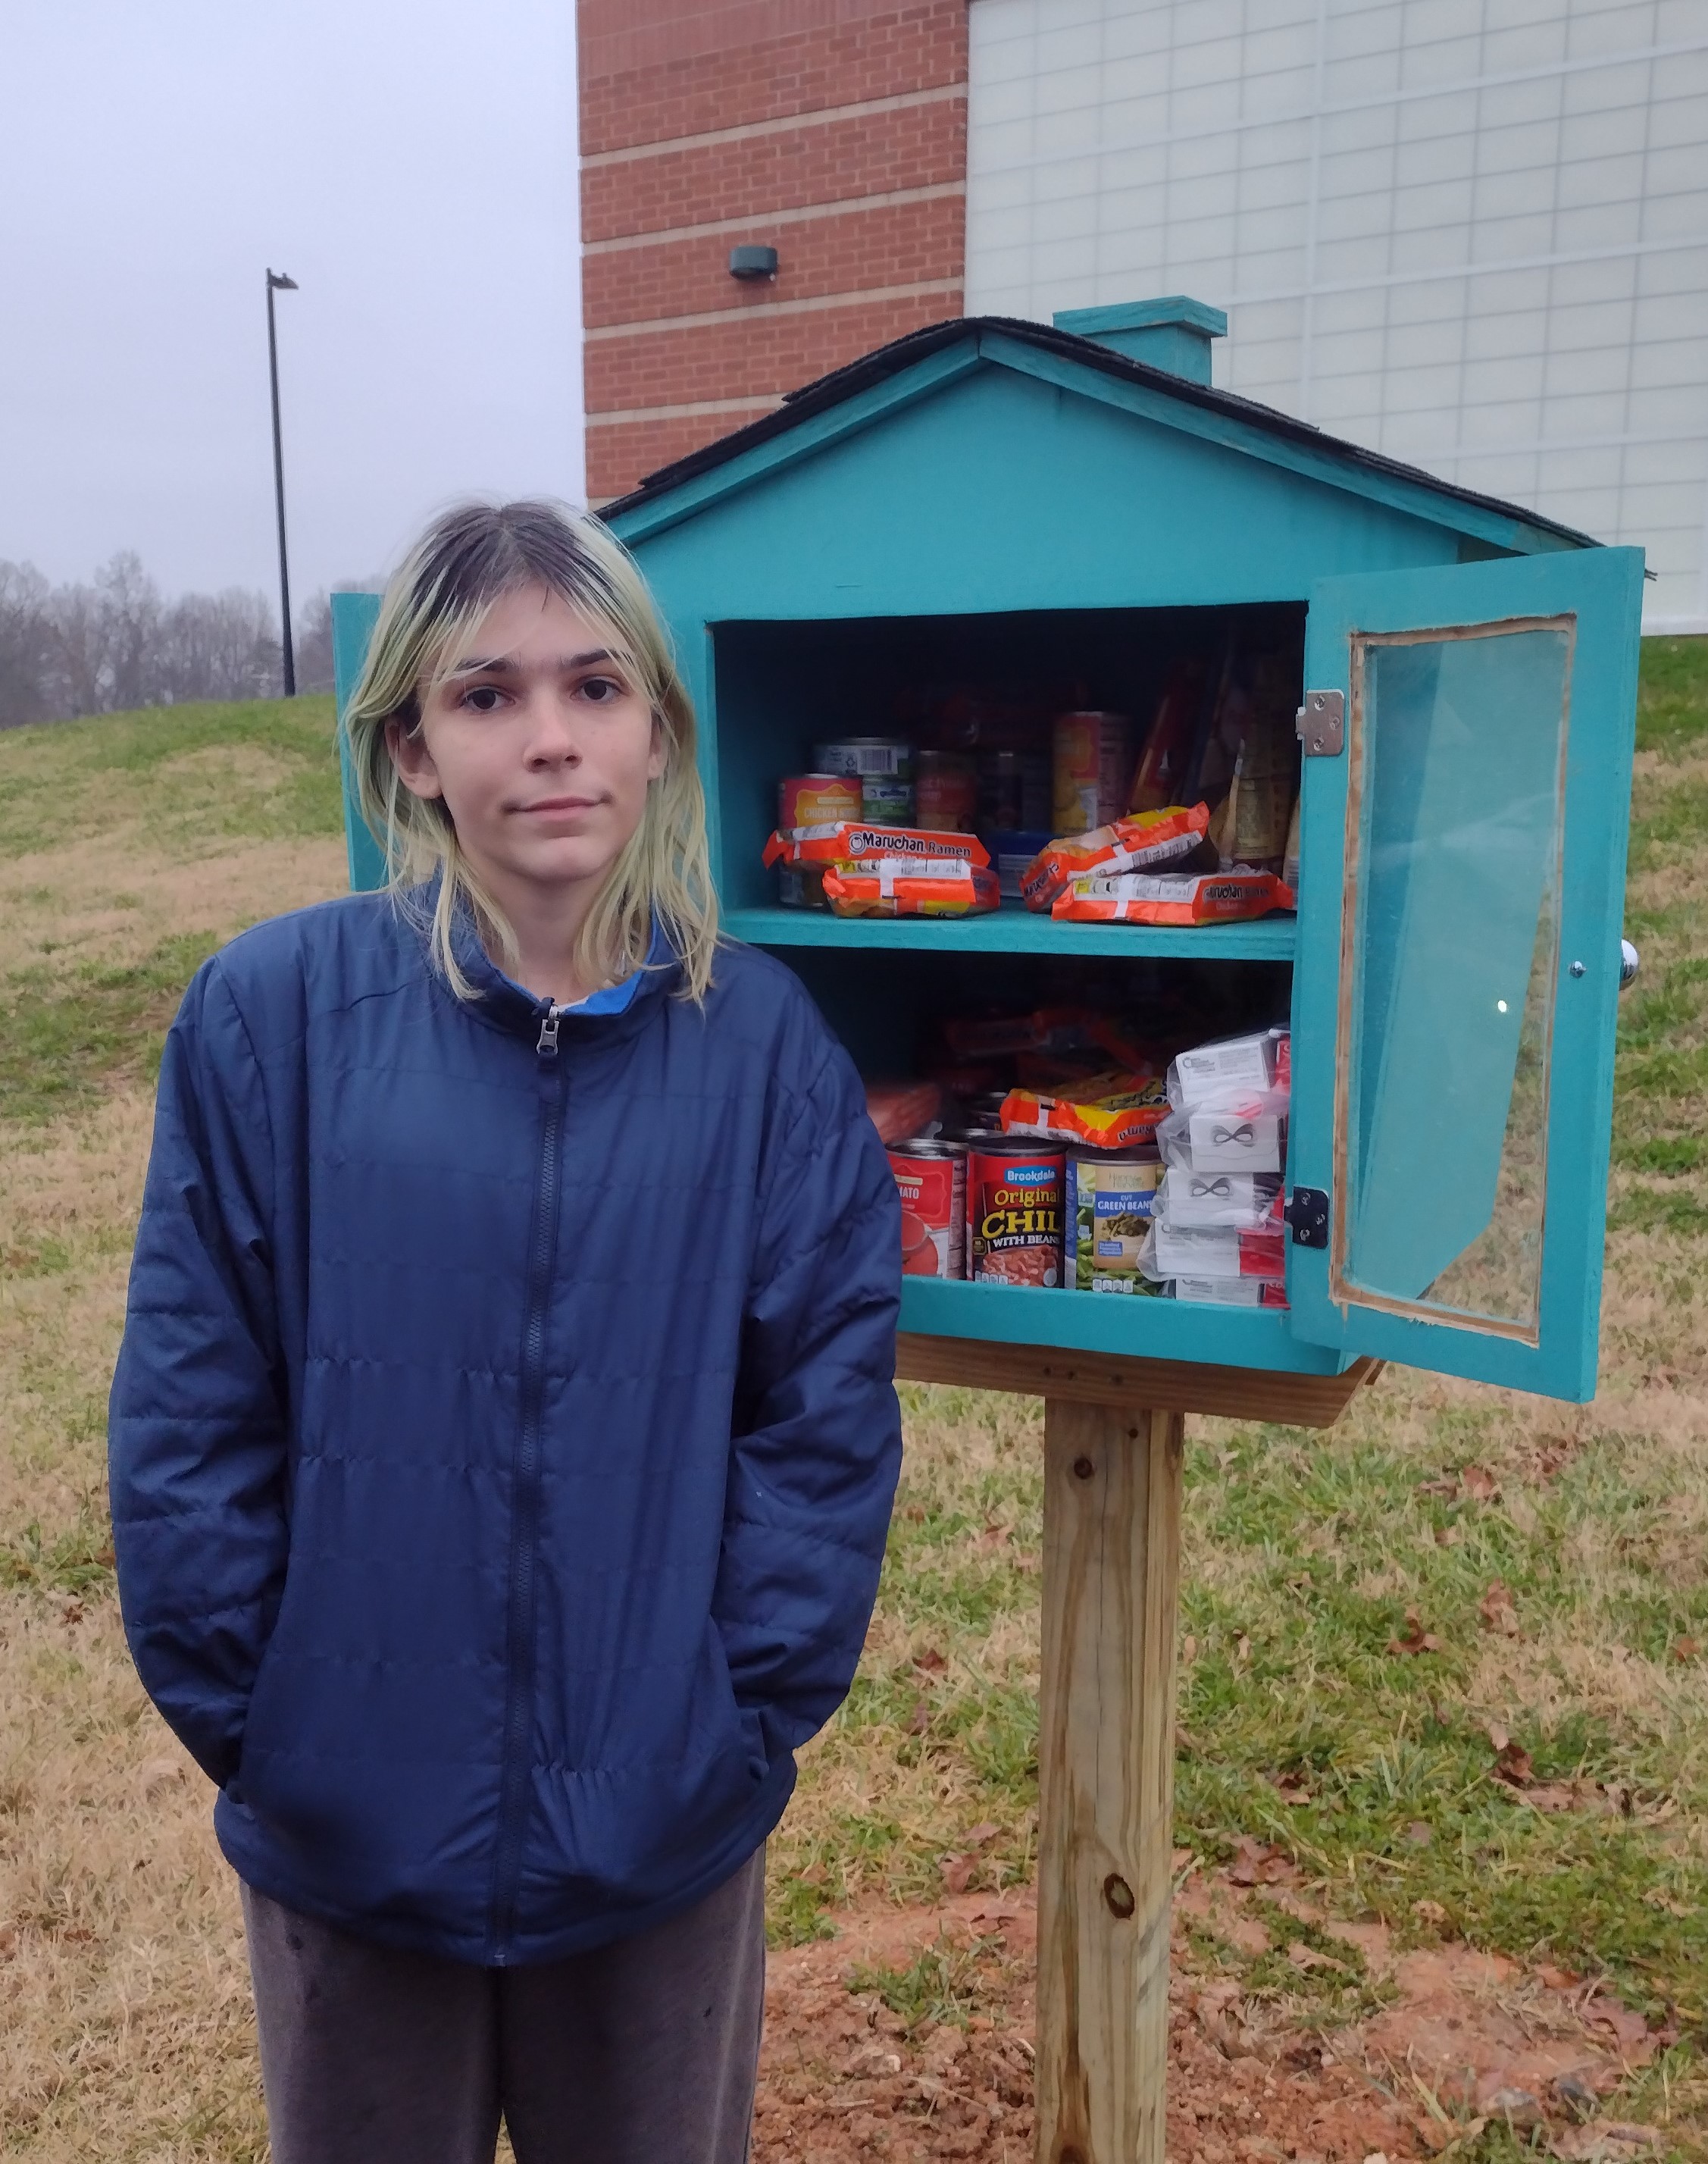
(504,1437)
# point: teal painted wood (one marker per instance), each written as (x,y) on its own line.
(1113,1322)
(1012,930)
(1602,589)
(353,616)
(1087,505)
(843,424)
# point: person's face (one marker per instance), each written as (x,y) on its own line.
(539,745)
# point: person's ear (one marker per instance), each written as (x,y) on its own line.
(414,762)
(658,757)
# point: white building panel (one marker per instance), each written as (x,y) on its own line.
(1473,234)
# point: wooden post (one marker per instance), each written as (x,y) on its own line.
(1111,1509)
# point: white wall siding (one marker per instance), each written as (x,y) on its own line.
(1473,234)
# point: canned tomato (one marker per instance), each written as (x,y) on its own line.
(1111,1195)
(817,800)
(930,1177)
(1093,769)
(1014,1212)
(859,756)
(945,790)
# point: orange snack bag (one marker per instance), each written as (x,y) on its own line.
(1194,898)
(904,886)
(850,841)
(1110,1111)
(1142,840)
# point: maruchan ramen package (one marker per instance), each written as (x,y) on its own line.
(1116,1111)
(1144,841)
(849,842)
(911,887)
(1190,898)
(1110,1198)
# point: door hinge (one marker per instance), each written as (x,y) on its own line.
(1322,724)
(1307,1214)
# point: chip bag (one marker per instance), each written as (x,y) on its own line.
(911,887)
(1143,839)
(1194,898)
(1114,1110)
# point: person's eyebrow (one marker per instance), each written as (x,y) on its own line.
(504,665)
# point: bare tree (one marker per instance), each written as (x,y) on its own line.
(314,644)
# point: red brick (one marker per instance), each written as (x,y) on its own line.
(852,251)
(765,353)
(915,147)
(676,70)
(620,456)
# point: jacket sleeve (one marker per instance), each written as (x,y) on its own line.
(817,1447)
(196,1435)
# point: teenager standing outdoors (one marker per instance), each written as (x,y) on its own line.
(504,1435)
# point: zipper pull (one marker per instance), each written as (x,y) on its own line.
(548,1046)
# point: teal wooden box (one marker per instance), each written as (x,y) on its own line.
(1002,489)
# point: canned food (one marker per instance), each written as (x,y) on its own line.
(1013,790)
(930,1177)
(860,756)
(1011,856)
(945,790)
(1093,769)
(885,800)
(817,800)
(801,886)
(1111,1195)
(1014,1212)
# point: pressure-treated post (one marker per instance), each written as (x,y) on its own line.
(1111,1490)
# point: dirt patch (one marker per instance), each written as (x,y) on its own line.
(850,2069)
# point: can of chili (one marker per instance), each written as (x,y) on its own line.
(930,1177)
(1015,1192)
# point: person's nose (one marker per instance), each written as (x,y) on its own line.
(553,739)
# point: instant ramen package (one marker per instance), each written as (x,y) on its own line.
(911,887)
(1114,1110)
(1162,898)
(1144,840)
(850,841)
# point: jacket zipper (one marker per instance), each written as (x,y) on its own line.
(524,1512)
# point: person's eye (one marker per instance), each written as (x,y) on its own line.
(483,698)
(601,690)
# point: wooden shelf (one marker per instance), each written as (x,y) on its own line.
(1016,931)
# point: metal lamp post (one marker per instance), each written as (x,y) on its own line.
(277,282)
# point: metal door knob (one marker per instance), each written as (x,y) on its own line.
(1628,961)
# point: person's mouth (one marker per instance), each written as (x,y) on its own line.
(559,803)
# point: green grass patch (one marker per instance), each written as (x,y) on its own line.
(942,1984)
(1672,702)
(62,1040)
(78,1560)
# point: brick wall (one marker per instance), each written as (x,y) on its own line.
(832,130)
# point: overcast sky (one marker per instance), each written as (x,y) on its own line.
(411,163)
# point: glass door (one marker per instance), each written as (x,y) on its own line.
(1460,901)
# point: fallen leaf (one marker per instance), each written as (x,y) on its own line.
(1260,1863)
(1292,1789)
(980,1834)
(1627,2027)
(71,1612)
(1477,1482)
(993,1536)
(1416,1638)
(1448,1536)
(1512,1766)
(1558,1979)
(1189,1649)
(931,1661)
(1686,1649)
(1420,1835)
(1307,1958)
(1604,2143)
(1499,1610)
(1242,1650)
(957,1871)
(1497,1736)
(920,1718)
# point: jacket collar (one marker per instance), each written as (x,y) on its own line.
(503,1004)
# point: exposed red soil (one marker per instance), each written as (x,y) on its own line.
(1467,2037)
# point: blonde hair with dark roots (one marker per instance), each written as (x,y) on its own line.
(468,559)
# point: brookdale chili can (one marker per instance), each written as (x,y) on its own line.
(1014,1212)
(817,800)
(930,1177)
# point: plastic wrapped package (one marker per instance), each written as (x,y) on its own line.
(1176,1251)
(1232,1292)
(1210,1200)
(911,887)
(1174,835)
(1229,897)
(850,841)
(1115,1110)
(1243,1136)
(1208,1073)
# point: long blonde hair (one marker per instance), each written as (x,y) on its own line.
(468,559)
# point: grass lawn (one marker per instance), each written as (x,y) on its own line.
(1557,1556)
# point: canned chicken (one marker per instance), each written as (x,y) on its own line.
(817,800)
(1014,1213)
(1093,769)
(930,1177)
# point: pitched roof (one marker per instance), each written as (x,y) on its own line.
(905,353)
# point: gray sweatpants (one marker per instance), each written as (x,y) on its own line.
(644,2052)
